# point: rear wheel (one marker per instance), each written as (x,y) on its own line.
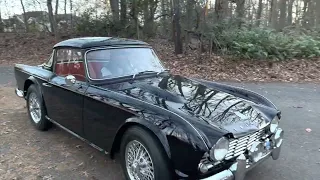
(36,109)
(142,156)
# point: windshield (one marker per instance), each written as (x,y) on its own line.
(114,63)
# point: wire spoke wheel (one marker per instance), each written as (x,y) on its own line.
(138,162)
(34,107)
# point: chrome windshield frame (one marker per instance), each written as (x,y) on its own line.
(114,47)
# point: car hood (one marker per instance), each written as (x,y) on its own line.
(232,110)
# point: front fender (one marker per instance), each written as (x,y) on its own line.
(182,152)
(146,125)
(32,80)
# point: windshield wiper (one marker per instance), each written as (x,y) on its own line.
(143,72)
(148,71)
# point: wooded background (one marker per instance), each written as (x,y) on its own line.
(250,29)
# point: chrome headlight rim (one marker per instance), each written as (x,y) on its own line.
(274,124)
(219,151)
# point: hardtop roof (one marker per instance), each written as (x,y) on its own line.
(89,42)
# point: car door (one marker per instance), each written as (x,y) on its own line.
(65,100)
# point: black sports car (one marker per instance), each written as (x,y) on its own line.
(116,95)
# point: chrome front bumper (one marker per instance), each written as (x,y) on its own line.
(19,93)
(238,170)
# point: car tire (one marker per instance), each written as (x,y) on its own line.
(138,137)
(36,109)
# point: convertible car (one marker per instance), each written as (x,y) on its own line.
(116,95)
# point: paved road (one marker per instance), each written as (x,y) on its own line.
(300,158)
(6,76)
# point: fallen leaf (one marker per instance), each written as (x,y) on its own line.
(297,106)
(308,130)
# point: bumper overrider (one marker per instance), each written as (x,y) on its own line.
(257,153)
(19,93)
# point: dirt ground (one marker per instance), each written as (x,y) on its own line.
(28,154)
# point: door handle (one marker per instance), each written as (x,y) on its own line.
(46,84)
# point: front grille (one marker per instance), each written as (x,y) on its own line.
(238,146)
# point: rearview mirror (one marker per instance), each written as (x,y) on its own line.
(70,80)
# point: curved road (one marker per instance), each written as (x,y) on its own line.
(300,158)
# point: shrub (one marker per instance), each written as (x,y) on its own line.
(261,43)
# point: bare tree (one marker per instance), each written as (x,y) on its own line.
(25,20)
(71,17)
(65,7)
(115,10)
(51,18)
(259,13)
(1,23)
(290,6)
(273,13)
(163,18)
(318,14)
(240,11)
(305,16)
(221,9)
(177,27)
(123,12)
(57,7)
(283,15)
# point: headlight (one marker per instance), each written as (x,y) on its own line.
(274,125)
(220,149)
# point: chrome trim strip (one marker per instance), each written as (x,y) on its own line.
(76,135)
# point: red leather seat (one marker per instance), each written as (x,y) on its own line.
(76,69)
(95,69)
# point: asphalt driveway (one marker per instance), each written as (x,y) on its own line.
(29,154)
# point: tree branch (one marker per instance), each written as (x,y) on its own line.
(161,15)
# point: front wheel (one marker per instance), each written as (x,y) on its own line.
(36,109)
(142,156)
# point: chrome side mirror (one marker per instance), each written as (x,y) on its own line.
(70,80)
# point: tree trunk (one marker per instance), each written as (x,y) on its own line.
(177,28)
(318,14)
(274,14)
(65,7)
(259,13)
(221,8)
(282,20)
(240,11)
(25,20)
(250,10)
(270,13)
(115,10)
(311,14)
(230,9)
(190,13)
(57,7)
(305,16)
(289,18)
(146,17)
(71,17)
(163,17)
(51,18)
(1,24)
(123,12)
(134,14)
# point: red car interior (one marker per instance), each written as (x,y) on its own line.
(74,68)
(94,69)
